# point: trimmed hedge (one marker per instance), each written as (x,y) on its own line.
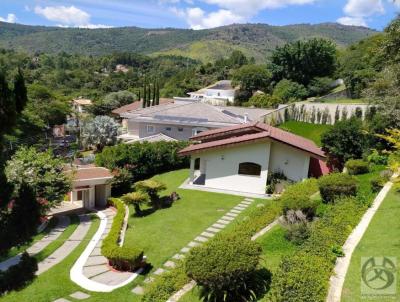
(335,185)
(305,275)
(357,166)
(120,258)
(298,197)
(167,284)
(17,276)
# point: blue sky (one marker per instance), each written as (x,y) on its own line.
(196,14)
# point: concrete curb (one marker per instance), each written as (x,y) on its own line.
(342,264)
(76,273)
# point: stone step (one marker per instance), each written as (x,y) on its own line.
(207,234)
(178,256)
(193,244)
(79,295)
(232,214)
(235,211)
(218,225)
(227,218)
(170,264)
(159,271)
(92,271)
(138,290)
(221,221)
(96,260)
(247,202)
(211,229)
(201,239)
(185,250)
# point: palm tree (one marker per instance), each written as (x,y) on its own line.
(152,187)
(136,199)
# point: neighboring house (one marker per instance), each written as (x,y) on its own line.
(122,68)
(134,106)
(79,110)
(91,186)
(241,158)
(182,120)
(219,93)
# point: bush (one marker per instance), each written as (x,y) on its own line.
(142,160)
(298,197)
(17,276)
(378,159)
(224,267)
(357,166)
(337,185)
(378,182)
(263,101)
(304,276)
(165,285)
(297,232)
(289,91)
(120,258)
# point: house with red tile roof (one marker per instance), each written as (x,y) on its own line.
(240,158)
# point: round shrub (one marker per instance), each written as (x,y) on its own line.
(337,185)
(224,267)
(357,166)
(299,197)
(379,181)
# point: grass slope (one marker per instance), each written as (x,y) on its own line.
(381,239)
(307,130)
(164,232)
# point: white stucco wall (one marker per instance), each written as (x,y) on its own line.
(223,173)
(292,162)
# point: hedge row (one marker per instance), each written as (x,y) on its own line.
(17,276)
(304,276)
(357,166)
(121,258)
(336,185)
(298,197)
(167,284)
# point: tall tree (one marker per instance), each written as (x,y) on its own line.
(302,61)
(100,132)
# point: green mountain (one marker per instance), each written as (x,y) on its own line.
(255,40)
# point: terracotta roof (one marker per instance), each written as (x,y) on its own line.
(138,105)
(224,142)
(90,173)
(261,129)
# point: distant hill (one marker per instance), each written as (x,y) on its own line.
(255,40)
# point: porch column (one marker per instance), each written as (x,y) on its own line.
(91,197)
(191,176)
(306,168)
(74,195)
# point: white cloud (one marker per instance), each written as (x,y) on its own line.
(356,21)
(67,16)
(229,11)
(11,18)
(358,11)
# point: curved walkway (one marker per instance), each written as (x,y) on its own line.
(69,245)
(91,270)
(37,247)
(343,263)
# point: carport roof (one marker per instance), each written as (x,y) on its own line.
(89,173)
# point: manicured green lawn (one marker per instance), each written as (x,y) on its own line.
(343,101)
(307,130)
(164,232)
(381,239)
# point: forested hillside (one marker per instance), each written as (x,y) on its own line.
(255,40)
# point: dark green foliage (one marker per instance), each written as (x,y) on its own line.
(121,258)
(224,268)
(142,160)
(252,78)
(20,91)
(289,91)
(357,166)
(305,275)
(303,61)
(377,183)
(263,101)
(336,185)
(298,197)
(344,141)
(165,285)
(112,101)
(319,86)
(19,275)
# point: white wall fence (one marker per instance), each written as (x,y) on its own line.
(318,113)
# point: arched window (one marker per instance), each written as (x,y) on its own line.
(249,169)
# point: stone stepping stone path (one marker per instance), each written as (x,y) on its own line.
(76,295)
(96,267)
(91,271)
(62,223)
(202,238)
